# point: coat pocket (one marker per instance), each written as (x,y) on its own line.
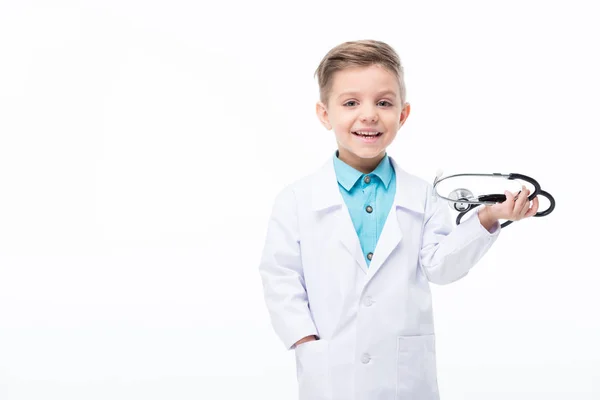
(416,376)
(312,369)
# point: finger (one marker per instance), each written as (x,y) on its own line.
(516,197)
(509,204)
(521,202)
(506,207)
(526,203)
(525,210)
(510,198)
(534,208)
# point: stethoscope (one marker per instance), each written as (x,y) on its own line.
(464,201)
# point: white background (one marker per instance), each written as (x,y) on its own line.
(143,142)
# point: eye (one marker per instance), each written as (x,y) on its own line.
(351,103)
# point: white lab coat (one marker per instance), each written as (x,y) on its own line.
(375,324)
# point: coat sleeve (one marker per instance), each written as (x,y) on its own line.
(448,252)
(282,275)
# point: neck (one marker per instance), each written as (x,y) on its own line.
(364,165)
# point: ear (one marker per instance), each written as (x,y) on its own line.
(323,115)
(404,114)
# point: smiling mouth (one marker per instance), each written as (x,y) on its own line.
(367,134)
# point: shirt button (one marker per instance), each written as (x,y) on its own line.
(365,358)
(369,209)
(369,301)
(367,179)
(370,256)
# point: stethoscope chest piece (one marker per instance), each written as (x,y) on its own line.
(461,194)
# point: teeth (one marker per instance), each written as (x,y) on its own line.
(368,133)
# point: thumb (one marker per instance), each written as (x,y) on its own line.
(509,196)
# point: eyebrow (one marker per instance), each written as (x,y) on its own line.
(378,94)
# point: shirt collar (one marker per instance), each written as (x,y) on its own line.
(347,176)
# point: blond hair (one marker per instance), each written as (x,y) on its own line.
(360,53)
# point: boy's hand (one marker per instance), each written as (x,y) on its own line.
(516,206)
(305,339)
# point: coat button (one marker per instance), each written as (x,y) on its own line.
(365,358)
(370,256)
(369,301)
(367,179)
(369,209)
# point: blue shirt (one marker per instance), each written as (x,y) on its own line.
(369,198)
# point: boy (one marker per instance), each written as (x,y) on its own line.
(351,248)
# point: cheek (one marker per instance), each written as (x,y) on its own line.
(343,126)
(344,120)
(391,133)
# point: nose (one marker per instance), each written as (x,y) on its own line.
(369,116)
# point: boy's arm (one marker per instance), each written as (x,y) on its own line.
(448,252)
(487,220)
(282,274)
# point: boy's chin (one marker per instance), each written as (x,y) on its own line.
(368,153)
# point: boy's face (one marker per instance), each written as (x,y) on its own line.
(363,98)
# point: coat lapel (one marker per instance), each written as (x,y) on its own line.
(390,238)
(407,197)
(347,234)
(326,198)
